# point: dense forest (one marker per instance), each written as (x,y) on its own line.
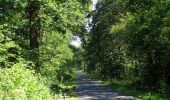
(127,42)
(130,42)
(35,58)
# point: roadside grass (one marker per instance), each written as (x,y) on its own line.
(122,86)
(65,91)
(72,98)
(127,88)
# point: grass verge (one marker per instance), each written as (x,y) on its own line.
(65,91)
(121,86)
(125,87)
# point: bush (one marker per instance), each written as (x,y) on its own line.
(18,83)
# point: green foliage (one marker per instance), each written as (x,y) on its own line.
(37,32)
(18,82)
(130,41)
(9,54)
(163,87)
(56,56)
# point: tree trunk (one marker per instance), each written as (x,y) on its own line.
(34,22)
(34,31)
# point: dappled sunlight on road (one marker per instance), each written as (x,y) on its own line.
(92,90)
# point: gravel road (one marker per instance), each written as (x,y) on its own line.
(91,90)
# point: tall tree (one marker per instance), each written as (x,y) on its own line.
(34,23)
(129,41)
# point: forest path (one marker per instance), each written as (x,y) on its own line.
(92,90)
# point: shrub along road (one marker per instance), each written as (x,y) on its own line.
(92,90)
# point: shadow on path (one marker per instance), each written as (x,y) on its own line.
(91,90)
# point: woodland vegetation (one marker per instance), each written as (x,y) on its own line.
(130,42)
(36,61)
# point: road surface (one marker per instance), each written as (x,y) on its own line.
(91,90)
